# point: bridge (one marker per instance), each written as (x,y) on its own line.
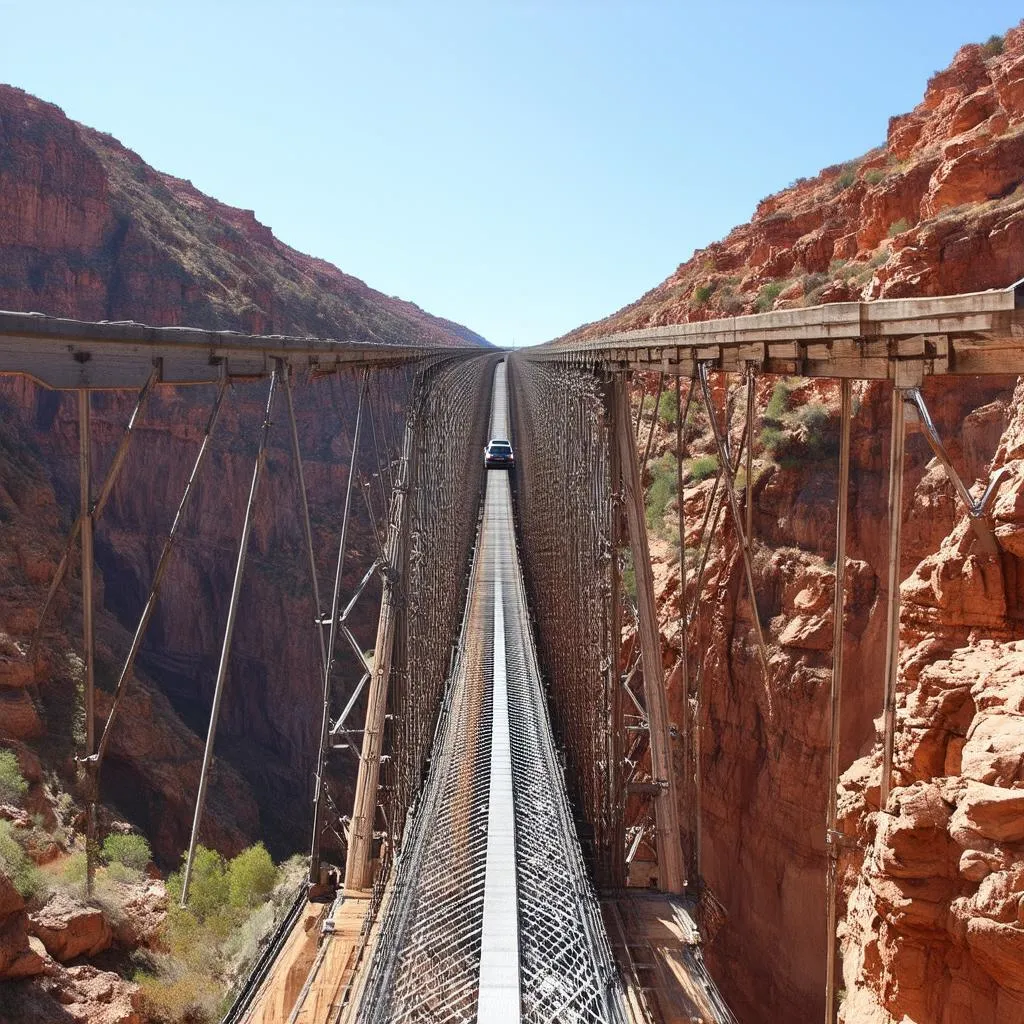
(523,839)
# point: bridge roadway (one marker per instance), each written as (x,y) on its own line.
(492,917)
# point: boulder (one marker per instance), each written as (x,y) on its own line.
(69,930)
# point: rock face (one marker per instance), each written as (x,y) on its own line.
(934,928)
(88,230)
(69,930)
(19,958)
(938,209)
(931,930)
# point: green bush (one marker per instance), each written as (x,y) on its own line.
(874,176)
(661,491)
(778,403)
(767,295)
(119,872)
(13,786)
(17,865)
(209,890)
(898,227)
(993,46)
(772,440)
(132,851)
(702,293)
(668,408)
(251,877)
(703,468)
(847,178)
(821,438)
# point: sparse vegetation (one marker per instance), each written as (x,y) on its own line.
(668,408)
(702,468)
(17,865)
(702,293)
(874,176)
(898,227)
(232,905)
(130,851)
(814,281)
(661,491)
(993,46)
(13,786)
(778,403)
(767,295)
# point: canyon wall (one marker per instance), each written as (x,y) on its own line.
(90,231)
(931,930)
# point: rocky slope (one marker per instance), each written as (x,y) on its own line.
(931,928)
(938,209)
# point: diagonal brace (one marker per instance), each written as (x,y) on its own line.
(730,490)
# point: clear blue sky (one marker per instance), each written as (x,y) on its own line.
(521,167)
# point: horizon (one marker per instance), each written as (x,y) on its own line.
(505,158)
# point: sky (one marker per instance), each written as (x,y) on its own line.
(520,167)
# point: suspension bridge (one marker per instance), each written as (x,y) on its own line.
(523,837)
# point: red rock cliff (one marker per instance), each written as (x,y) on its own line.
(932,931)
(88,230)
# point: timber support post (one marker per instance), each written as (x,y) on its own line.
(671,871)
(359,859)
(897,449)
(327,654)
(832,837)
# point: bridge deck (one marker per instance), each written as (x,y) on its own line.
(492,917)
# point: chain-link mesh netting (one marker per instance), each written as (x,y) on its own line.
(444,488)
(427,963)
(566,522)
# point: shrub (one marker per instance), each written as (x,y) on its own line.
(874,176)
(702,293)
(668,408)
(661,491)
(846,178)
(17,865)
(818,423)
(209,890)
(251,877)
(182,995)
(898,226)
(836,267)
(814,281)
(131,851)
(12,783)
(703,468)
(119,872)
(772,440)
(993,46)
(767,295)
(778,403)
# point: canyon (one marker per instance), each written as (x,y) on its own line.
(931,928)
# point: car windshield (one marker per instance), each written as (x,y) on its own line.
(501,446)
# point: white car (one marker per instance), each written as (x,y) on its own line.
(498,454)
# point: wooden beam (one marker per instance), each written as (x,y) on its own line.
(671,872)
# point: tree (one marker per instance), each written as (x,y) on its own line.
(251,877)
